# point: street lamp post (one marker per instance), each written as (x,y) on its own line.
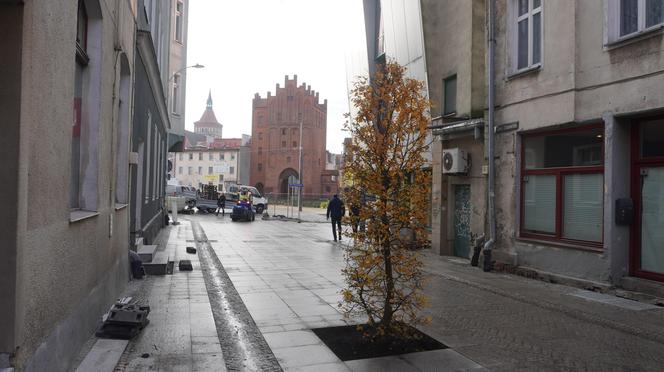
(299,172)
(168,93)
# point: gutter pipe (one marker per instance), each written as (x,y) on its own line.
(488,246)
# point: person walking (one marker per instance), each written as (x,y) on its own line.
(221,203)
(336,210)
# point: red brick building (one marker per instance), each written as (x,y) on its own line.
(275,136)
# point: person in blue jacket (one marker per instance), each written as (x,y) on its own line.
(336,210)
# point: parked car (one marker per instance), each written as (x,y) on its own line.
(180,196)
(259,202)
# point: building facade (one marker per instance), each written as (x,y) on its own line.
(210,166)
(456,83)
(580,138)
(177,79)
(209,159)
(152,127)
(67,72)
(579,132)
(275,144)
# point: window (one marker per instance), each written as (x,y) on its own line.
(288,159)
(260,151)
(380,32)
(526,34)
(283,144)
(637,15)
(200,156)
(83,186)
(176,96)
(450,95)
(232,156)
(221,156)
(231,170)
(209,170)
(260,167)
(629,18)
(189,170)
(210,156)
(191,156)
(260,135)
(279,117)
(283,131)
(294,144)
(180,156)
(179,170)
(563,186)
(200,170)
(179,15)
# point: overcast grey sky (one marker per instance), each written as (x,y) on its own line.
(248,46)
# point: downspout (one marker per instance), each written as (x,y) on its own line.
(488,246)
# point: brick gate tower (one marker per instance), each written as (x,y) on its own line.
(275,136)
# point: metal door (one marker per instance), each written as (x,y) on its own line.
(462,220)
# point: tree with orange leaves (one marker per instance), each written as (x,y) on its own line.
(388,200)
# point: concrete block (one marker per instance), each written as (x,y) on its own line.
(146,252)
(158,265)
(185,265)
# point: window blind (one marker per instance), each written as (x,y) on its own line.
(583,206)
(539,201)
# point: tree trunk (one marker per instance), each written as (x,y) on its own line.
(386,320)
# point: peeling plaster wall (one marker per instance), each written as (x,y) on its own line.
(448,27)
(581,80)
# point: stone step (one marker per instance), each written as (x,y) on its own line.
(650,288)
(104,356)
(159,264)
(146,252)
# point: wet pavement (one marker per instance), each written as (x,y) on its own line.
(182,334)
(241,341)
(276,280)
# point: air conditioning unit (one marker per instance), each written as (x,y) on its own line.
(455,161)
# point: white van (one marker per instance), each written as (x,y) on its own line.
(258,201)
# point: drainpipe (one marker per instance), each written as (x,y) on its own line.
(488,246)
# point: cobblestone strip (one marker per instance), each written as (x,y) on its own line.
(654,336)
(242,343)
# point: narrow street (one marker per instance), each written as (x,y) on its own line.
(285,281)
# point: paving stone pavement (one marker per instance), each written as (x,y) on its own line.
(288,277)
(181,335)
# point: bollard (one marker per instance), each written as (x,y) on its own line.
(174,211)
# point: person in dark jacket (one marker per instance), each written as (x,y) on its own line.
(336,210)
(221,203)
